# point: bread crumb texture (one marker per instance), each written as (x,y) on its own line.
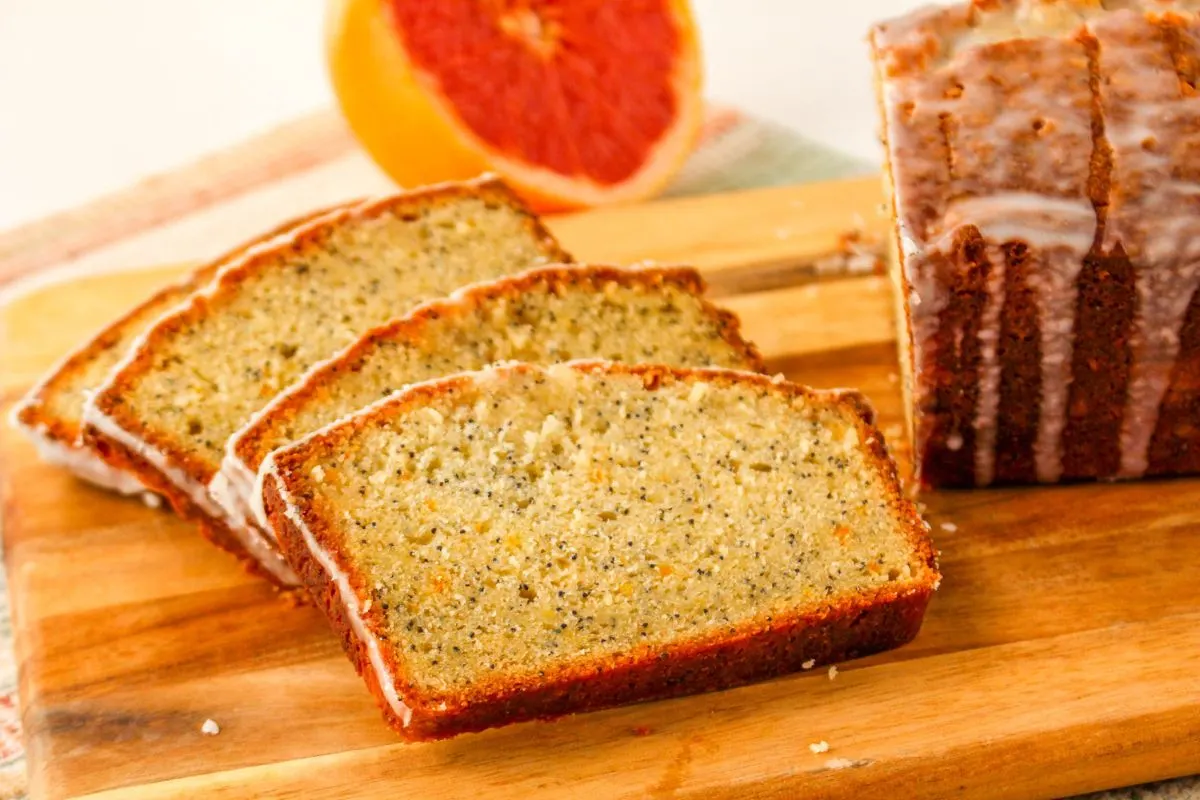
(210,377)
(553,319)
(65,400)
(534,517)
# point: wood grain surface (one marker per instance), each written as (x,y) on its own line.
(1058,657)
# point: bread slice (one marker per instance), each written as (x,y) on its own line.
(200,373)
(524,542)
(543,316)
(51,414)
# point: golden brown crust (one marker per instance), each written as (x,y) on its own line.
(864,623)
(252,450)
(35,411)
(110,401)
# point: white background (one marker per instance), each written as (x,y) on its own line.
(96,94)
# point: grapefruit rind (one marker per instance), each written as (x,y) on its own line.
(398,114)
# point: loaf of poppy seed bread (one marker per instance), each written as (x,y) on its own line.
(543,316)
(1044,168)
(524,542)
(51,414)
(201,372)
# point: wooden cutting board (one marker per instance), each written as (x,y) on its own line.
(1061,654)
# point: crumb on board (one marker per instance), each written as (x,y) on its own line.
(151,500)
(642,730)
(819,747)
(210,728)
(948,527)
(839,763)
(294,598)
(852,257)
(855,254)
(832,673)
(812,662)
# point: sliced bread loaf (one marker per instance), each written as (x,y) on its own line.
(542,316)
(200,373)
(525,542)
(51,414)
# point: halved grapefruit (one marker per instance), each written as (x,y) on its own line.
(575,102)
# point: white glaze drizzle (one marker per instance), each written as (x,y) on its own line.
(1164,294)
(1155,222)
(1043,223)
(987,409)
(1057,218)
(254,541)
(1032,18)
(1057,221)
(1022,19)
(231,488)
(1157,231)
(1060,231)
(383,676)
(80,461)
(1056,288)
